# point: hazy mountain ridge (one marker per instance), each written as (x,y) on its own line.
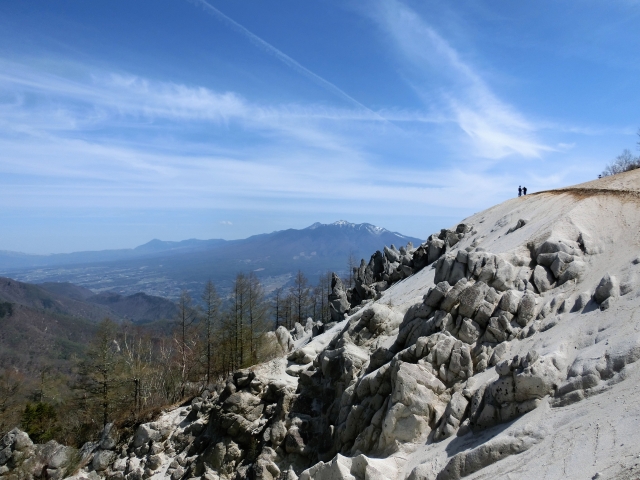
(16,260)
(165,268)
(44,328)
(51,322)
(79,302)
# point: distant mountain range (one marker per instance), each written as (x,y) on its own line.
(15,260)
(165,268)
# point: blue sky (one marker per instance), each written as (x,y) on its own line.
(123,121)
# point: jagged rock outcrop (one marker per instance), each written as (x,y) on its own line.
(21,459)
(392,265)
(338,303)
(510,349)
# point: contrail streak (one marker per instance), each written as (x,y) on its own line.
(283,57)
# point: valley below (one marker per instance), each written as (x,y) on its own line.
(165,269)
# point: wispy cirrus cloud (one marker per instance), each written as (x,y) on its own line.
(117,140)
(494,128)
(280,55)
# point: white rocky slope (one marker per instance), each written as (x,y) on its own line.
(512,355)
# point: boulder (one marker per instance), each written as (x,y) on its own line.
(338,469)
(488,268)
(504,275)
(5,455)
(608,287)
(363,279)
(471,297)
(452,296)
(102,459)
(484,313)
(574,271)
(458,271)
(546,259)
(470,331)
(543,279)
(553,246)
(537,380)
(265,469)
(240,402)
(450,237)
(22,442)
(460,364)
(418,310)
(452,417)
(378,264)
(146,433)
(435,250)
(57,456)
(392,254)
(303,355)
(436,294)
(299,331)
(444,267)
(413,404)
(510,301)
(420,256)
(380,319)
(560,263)
(294,443)
(526,309)
(499,328)
(519,224)
(284,339)
(338,303)
(108,438)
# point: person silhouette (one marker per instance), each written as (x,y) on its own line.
(524,190)
(519,191)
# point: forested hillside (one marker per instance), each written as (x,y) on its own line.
(62,347)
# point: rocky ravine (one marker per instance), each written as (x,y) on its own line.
(507,348)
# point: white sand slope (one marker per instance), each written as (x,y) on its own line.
(600,434)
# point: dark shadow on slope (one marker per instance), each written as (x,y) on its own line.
(591,306)
(473,440)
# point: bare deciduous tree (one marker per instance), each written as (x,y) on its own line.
(257,311)
(185,338)
(352,262)
(624,162)
(277,307)
(210,320)
(300,294)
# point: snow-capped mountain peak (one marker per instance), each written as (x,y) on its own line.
(354,226)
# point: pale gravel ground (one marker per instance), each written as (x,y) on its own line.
(601,434)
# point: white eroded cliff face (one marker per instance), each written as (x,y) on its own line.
(511,352)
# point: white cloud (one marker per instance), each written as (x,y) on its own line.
(118,140)
(280,55)
(494,128)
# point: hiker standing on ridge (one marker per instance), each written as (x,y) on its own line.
(519,191)
(524,190)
